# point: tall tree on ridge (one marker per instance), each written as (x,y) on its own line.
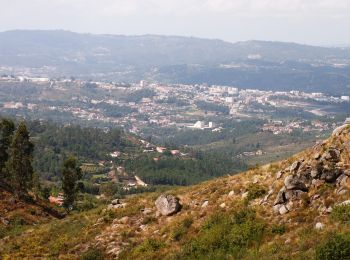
(20,161)
(70,176)
(7,127)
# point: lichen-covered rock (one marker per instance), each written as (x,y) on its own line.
(293,182)
(293,194)
(167,205)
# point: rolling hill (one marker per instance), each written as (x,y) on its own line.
(294,209)
(174,59)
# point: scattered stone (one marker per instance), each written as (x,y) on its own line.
(115,202)
(346,202)
(332,155)
(245,195)
(314,173)
(342,191)
(287,241)
(346,172)
(317,183)
(283,210)
(143,227)
(4,221)
(124,220)
(223,205)
(205,204)
(147,211)
(279,175)
(315,197)
(342,180)
(317,156)
(295,166)
(267,196)
(231,193)
(167,205)
(319,226)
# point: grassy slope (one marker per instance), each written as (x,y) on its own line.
(226,227)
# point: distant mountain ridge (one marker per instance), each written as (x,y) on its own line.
(175,59)
(60,46)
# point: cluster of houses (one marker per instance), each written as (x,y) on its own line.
(280,127)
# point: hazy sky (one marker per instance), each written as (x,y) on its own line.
(321,22)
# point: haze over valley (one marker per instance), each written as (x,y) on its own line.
(212,129)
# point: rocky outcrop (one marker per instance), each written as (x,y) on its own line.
(167,205)
(324,165)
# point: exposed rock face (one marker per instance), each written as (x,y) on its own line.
(167,205)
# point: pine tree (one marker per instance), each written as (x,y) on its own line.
(70,176)
(20,160)
(7,128)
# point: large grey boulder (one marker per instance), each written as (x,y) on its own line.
(167,205)
(293,182)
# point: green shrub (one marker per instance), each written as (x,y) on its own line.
(226,235)
(148,219)
(244,215)
(255,191)
(2,232)
(92,254)
(177,233)
(187,222)
(335,247)
(149,245)
(341,213)
(181,228)
(278,229)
